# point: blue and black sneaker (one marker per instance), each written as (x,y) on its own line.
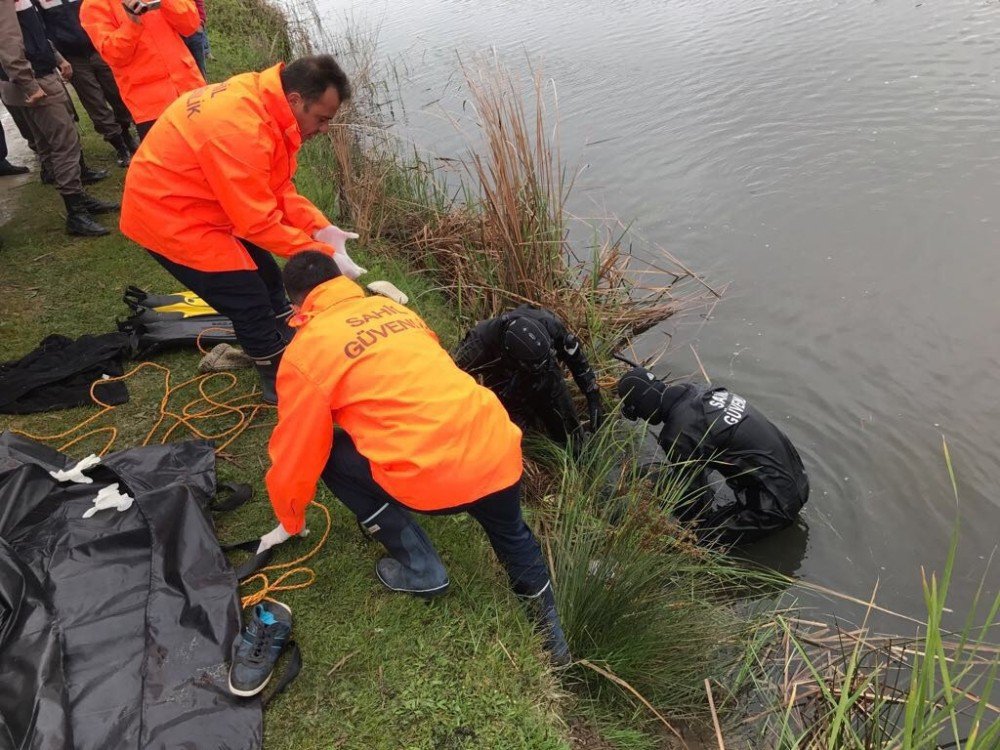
(258,648)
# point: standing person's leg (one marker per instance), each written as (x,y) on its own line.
(91,94)
(21,122)
(59,149)
(414,566)
(142,128)
(517,549)
(109,86)
(6,168)
(196,45)
(244,298)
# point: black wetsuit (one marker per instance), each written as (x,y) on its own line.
(758,462)
(530,398)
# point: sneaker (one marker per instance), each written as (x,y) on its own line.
(258,648)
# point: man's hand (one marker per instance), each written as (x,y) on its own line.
(65,70)
(34,99)
(337,237)
(595,410)
(277,536)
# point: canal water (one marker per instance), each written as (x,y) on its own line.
(837,163)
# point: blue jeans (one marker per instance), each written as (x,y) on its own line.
(348,475)
(197,43)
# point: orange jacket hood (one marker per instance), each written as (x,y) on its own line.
(149,59)
(435,437)
(217,166)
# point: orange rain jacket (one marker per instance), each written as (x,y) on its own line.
(219,165)
(151,63)
(435,437)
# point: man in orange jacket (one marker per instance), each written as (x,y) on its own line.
(210,195)
(412,431)
(145,51)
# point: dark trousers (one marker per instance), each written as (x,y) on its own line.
(3,145)
(21,121)
(54,133)
(142,128)
(197,44)
(348,474)
(254,301)
(98,92)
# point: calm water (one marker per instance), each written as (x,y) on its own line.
(839,164)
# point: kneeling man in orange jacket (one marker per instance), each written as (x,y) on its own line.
(370,403)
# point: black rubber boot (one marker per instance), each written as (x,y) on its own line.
(79,222)
(7,169)
(89,176)
(267,370)
(94,205)
(413,565)
(131,139)
(123,155)
(541,608)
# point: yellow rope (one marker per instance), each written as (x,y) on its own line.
(190,416)
(280,583)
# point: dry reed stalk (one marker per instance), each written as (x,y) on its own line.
(506,243)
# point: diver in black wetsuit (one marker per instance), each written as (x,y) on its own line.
(517,354)
(719,428)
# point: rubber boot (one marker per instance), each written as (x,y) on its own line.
(94,205)
(267,370)
(79,222)
(89,176)
(131,139)
(7,169)
(413,565)
(541,609)
(123,155)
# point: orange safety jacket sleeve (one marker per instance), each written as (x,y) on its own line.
(301,211)
(238,176)
(115,42)
(299,448)
(182,15)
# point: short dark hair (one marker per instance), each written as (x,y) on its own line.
(306,271)
(312,76)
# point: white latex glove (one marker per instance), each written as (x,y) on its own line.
(277,536)
(75,473)
(109,497)
(338,238)
(390,290)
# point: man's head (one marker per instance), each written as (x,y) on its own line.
(315,87)
(527,344)
(306,271)
(640,393)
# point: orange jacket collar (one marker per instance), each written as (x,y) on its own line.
(326,295)
(272,93)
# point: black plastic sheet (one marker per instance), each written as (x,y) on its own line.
(115,630)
